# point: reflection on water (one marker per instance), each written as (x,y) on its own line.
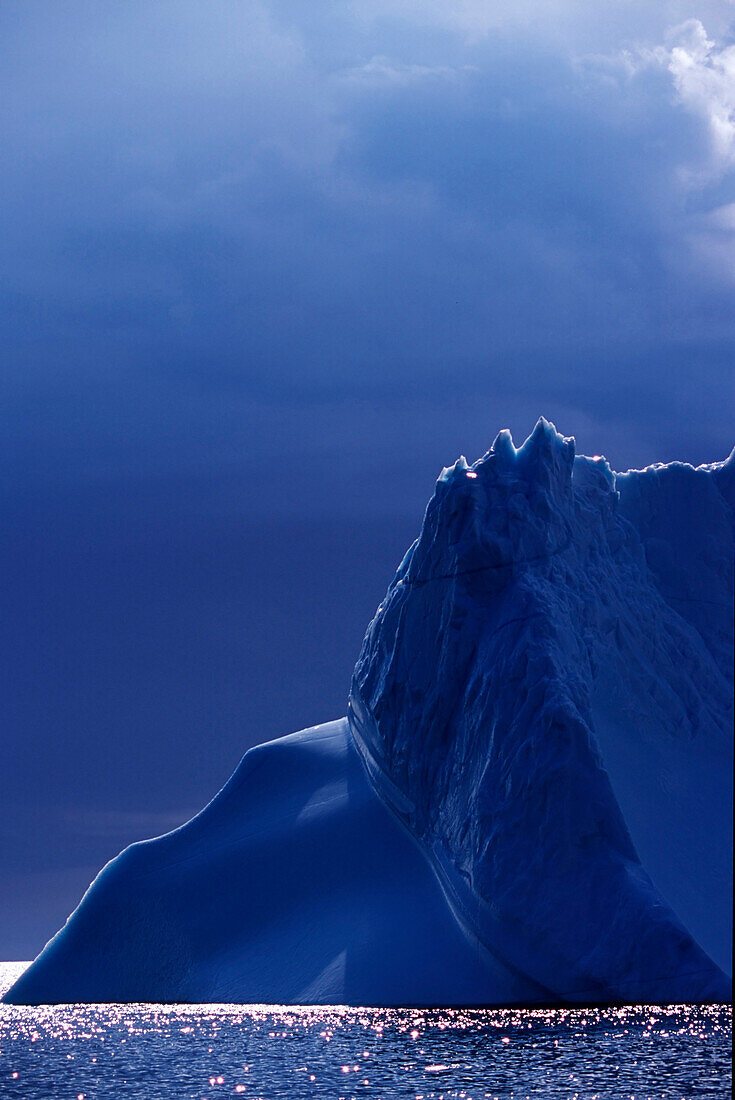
(211,1051)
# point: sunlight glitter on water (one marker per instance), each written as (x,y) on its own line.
(204,1052)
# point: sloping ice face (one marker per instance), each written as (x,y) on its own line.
(544,699)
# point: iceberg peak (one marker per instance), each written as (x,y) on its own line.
(509,507)
(546,445)
(503,448)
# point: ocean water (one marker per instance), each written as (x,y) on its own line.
(207,1052)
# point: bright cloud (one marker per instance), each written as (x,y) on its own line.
(704,78)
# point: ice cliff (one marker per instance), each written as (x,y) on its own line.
(529,612)
(530,800)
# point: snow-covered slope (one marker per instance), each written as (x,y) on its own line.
(531,800)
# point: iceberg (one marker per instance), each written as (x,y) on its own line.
(529,800)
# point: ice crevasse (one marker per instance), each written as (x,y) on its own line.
(529,800)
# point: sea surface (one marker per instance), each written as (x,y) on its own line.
(86,1052)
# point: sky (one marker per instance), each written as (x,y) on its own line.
(265,269)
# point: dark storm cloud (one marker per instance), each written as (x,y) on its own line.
(202,192)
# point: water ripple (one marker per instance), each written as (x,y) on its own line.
(264,1052)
